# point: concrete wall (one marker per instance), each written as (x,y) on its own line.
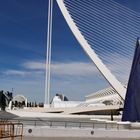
(76,132)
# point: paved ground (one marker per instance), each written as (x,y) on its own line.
(69,138)
(7,115)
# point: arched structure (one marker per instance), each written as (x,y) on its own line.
(20,98)
(120,89)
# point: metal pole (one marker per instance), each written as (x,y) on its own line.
(48,53)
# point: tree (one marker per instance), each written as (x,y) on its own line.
(2,101)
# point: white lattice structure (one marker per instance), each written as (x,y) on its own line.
(106,96)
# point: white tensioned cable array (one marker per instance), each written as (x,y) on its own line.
(110,29)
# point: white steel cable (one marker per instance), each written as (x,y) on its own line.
(111,4)
(114,40)
(104,48)
(110,18)
(90,52)
(108,8)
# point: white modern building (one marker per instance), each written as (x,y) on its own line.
(61,101)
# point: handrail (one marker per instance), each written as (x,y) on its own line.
(9,129)
(94,124)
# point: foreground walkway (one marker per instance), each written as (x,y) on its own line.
(69,138)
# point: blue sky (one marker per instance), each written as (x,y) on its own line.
(23,34)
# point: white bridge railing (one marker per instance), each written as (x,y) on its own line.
(92,124)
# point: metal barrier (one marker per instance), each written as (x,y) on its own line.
(94,124)
(10,130)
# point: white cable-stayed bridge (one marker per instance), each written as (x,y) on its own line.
(107,31)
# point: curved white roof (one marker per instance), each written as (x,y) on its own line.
(19,98)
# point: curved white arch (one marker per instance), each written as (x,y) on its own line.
(19,97)
(120,89)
